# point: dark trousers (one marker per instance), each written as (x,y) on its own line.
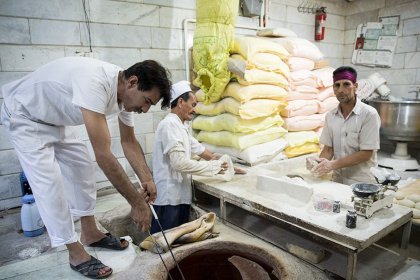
(170,216)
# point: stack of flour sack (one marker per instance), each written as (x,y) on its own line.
(310,93)
(246,123)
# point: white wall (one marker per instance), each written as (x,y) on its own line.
(33,33)
(404,75)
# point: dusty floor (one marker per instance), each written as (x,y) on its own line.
(32,258)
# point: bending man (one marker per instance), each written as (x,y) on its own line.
(38,112)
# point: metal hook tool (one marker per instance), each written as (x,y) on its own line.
(160,256)
(164,237)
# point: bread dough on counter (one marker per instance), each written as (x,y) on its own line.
(399,195)
(416,213)
(414,197)
(406,203)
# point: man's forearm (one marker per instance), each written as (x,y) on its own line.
(207,155)
(353,159)
(183,164)
(135,156)
(118,178)
(327,152)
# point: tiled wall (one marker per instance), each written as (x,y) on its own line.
(33,33)
(404,75)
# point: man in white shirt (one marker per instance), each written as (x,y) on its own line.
(172,162)
(350,136)
(38,112)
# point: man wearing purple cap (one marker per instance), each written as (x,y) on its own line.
(172,162)
(350,136)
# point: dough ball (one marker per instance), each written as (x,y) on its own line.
(416,213)
(414,197)
(417,205)
(406,203)
(399,195)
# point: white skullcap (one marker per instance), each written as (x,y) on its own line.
(179,89)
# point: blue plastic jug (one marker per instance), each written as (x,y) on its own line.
(32,224)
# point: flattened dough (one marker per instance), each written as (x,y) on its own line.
(406,203)
(414,197)
(416,213)
(399,195)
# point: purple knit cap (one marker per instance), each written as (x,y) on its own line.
(344,75)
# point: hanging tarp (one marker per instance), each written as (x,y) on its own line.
(213,40)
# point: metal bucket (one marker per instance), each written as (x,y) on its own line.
(400,120)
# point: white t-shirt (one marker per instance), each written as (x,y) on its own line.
(54,93)
(173,187)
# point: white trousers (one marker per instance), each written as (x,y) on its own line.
(59,170)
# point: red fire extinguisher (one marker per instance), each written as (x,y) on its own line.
(320,18)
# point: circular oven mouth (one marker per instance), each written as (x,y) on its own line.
(227,261)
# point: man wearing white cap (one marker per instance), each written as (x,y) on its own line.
(172,163)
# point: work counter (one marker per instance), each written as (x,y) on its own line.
(298,216)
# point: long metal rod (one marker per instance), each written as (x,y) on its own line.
(164,236)
(160,256)
(167,243)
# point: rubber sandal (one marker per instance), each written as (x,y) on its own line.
(91,269)
(109,242)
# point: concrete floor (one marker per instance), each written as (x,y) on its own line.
(32,258)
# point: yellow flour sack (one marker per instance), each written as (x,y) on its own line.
(302,123)
(241,141)
(263,61)
(248,47)
(234,123)
(300,108)
(252,75)
(257,76)
(213,40)
(304,149)
(246,93)
(255,108)
(263,91)
(295,139)
(299,47)
(252,155)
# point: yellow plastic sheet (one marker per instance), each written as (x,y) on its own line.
(213,40)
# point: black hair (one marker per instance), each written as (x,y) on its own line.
(346,68)
(151,74)
(185,96)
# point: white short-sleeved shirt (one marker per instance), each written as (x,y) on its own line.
(360,131)
(173,187)
(54,93)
